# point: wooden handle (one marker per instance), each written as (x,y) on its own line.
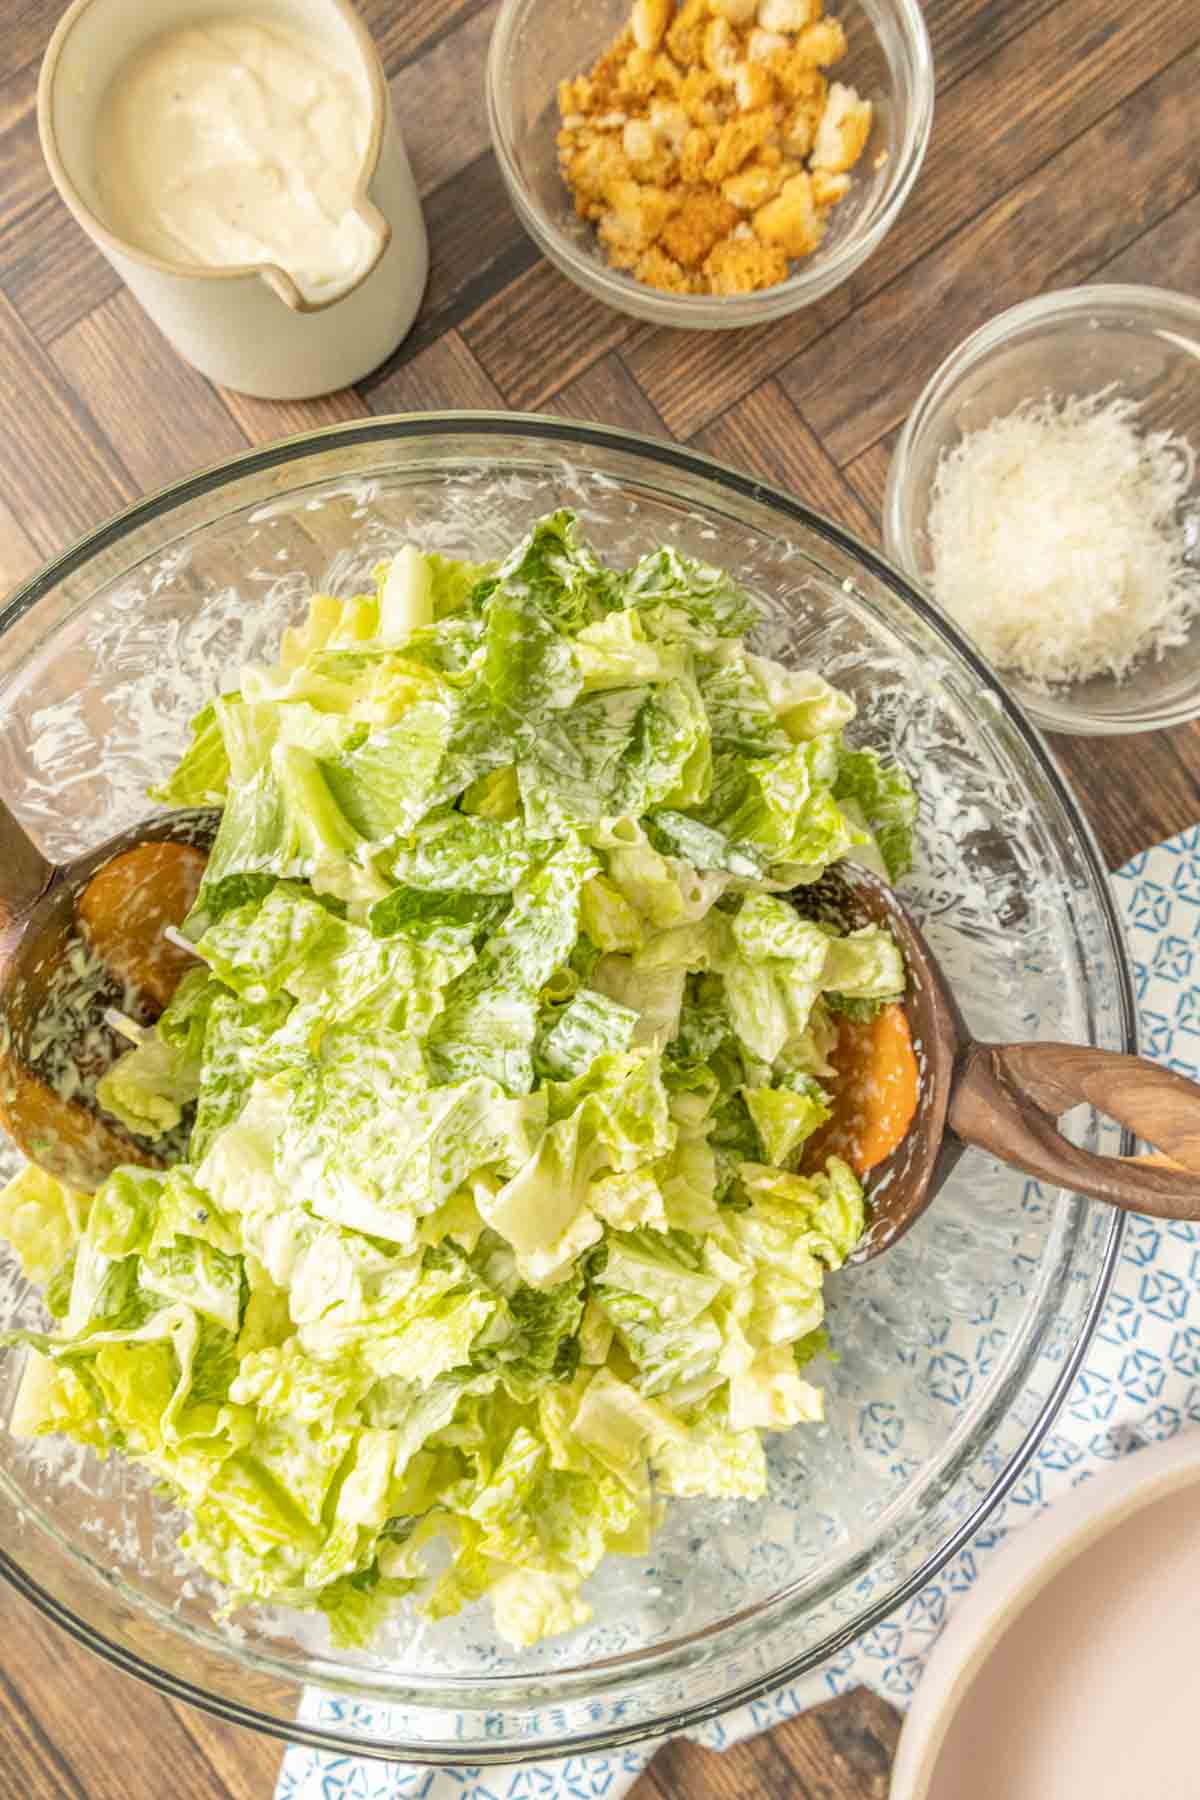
(25,873)
(1008,1096)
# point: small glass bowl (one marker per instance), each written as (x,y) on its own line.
(1145,343)
(538,43)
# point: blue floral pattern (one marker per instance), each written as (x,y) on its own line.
(1141,1384)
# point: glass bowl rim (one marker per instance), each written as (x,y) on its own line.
(479,426)
(1155,307)
(721,311)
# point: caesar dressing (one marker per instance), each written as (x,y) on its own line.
(237,141)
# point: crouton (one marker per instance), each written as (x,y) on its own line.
(738,12)
(821,44)
(797,77)
(658,270)
(698,96)
(638,77)
(791,220)
(843,132)
(670,123)
(752,186)
(693,158)
(721,51)
(575,96)
(691,233)
(649,22)
(741,266)
(651,158)
(739,138)
(685,34)
(762,45)
(829,189)
(799,130)
(753,86)
(635,218)
(592,170)
(787,15)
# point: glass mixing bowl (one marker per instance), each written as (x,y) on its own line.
(954,1347)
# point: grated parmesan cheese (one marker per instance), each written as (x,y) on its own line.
(1059,540)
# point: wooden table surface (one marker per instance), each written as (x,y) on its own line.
(1065,150)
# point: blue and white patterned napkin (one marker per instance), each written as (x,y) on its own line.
(1141,1383)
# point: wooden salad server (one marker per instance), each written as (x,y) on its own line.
(77,940)
(1006,1098)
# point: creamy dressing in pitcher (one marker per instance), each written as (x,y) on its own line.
(234,141)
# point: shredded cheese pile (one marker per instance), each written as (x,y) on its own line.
(1059,539)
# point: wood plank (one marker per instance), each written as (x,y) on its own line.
(445,375)
(404,32)
(245,1762)
(965,33)
(477,249)
(539,333)
(1168,255)
(52,272)
(692,376)
(24,177)
(166,417)
(844,1747)
(765,434)
(439,101)
(1135,790)
(152,1741)
(856,385)
(61,476)
(608,394)
(1022,107)
(18,553)
(868,474)
(266,421)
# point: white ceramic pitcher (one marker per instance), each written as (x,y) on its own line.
(249,328)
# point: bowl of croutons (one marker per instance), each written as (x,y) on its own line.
(709,163)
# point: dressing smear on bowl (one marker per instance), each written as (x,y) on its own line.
(1059,541)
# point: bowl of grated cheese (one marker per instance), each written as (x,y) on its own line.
(1046,493)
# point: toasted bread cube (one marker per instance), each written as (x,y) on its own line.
(693,158)
(739,138)
(829,189)
(791,220)
(635,218)
(752,186)
(698,96)
(843,132)
(685,34)
(762,45)
(821,44)
(738,12)
(593,169)
(575,96)
(638,76)
(741,266)
(787,15)
(797,77)
(607,71)
(753,86)
(650,157)
(658,270)
(721,51)
(668,76)
(649,21)
(695,228)
(798,133)
(670,123)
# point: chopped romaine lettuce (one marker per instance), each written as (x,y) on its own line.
(501,1065)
